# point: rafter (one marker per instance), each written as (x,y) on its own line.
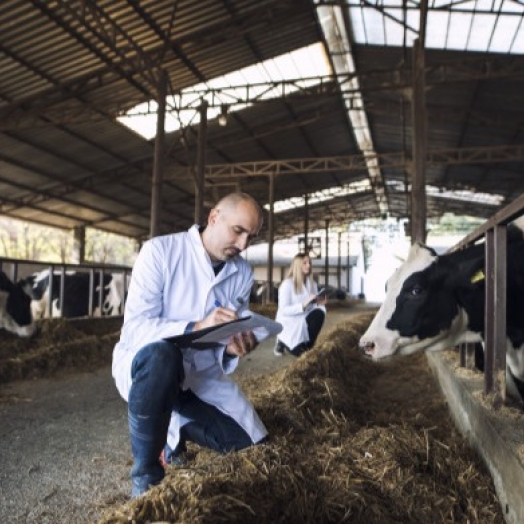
(48,108)
(357,163)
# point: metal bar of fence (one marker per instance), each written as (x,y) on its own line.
(101,290)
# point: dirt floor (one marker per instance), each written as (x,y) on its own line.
(351,441)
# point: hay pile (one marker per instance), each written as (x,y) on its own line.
(59,345)
(351,441)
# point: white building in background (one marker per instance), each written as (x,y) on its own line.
(345,268)
(367,258)
(389,253)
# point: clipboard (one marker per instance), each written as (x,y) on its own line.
(322,292)
(217,336)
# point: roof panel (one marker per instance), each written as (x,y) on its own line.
(69,72)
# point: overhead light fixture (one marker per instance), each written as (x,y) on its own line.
(222,118)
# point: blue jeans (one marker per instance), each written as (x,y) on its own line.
(157,374)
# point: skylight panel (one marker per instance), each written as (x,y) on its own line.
(310,61)
(481,31)
(518,42)
(358,24)
(466,196)
(374,21)
(502,35)
(394,34)
(459,28)
(476,25)
(436,31)
(326,195)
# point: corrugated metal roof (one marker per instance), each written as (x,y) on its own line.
(69,69)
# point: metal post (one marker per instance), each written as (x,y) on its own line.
(339,262)
(201,165)
(271,235)
(495,314)
(348,290)
(419,144)
(79,244)
(158,166)
(326,261)
(306,223)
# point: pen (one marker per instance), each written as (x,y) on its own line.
(240,302)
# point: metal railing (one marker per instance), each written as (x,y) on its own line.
(494,231)
(17,269)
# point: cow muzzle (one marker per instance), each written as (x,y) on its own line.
(367,347)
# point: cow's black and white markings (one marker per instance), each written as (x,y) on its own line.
(436,302)
(76,295)
(15,308)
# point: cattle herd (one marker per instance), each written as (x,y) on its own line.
(59,294)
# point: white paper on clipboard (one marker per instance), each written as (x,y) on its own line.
(251,323)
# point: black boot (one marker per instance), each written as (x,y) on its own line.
(148,437)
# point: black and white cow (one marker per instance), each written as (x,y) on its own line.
(436,302)
(77,289)
(15,308)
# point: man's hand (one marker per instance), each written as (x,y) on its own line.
(220,315)
(242,344)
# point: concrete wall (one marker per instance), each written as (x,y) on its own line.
(488,431)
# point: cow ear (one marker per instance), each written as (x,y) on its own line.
(472,273)
(5,283)
(418,250)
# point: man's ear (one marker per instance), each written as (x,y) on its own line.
(211,219)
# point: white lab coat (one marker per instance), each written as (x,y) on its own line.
(290,313)
(172,284)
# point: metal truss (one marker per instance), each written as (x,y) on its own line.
(358,163)
(64,104)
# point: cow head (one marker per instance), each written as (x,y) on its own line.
(15,308)
(420,310)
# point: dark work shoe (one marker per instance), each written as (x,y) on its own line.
(299,350)
(174,458)
(278,350)
(141,483)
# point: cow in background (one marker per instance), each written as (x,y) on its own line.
(76,296)
(437,302)
(116,295)
(259,291)
(15,308)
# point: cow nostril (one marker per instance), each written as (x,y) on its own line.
(367,346)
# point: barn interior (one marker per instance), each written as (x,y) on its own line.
(403,110)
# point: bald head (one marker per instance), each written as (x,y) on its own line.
(233,200)
(231,226)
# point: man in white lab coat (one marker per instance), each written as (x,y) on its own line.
(181,283)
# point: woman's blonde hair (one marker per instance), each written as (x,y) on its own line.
(296,274)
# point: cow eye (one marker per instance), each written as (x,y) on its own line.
(416,290)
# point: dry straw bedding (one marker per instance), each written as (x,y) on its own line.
(60,345)
(351,441)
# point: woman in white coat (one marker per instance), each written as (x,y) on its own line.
(301,311)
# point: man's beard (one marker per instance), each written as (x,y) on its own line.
(230,252)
